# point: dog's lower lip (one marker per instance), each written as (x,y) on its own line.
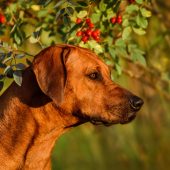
(127,120)
(124,119)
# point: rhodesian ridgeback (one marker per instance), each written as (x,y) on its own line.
(65,87)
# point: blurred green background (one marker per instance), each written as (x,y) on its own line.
(144,144)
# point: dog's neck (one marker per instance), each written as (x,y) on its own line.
(30,124)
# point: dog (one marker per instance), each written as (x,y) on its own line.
(64,87)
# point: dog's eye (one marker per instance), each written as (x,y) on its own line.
(94,76)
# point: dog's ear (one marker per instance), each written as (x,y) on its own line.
(50,71)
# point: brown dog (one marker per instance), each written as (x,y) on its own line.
(65,87)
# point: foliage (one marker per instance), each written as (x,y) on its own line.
(26,21)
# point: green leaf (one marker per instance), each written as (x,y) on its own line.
(142,60)
(20,66)
(72,3)
(139,31)
(118,69)
(120,47)
(7,59)
(69,10)
(95,17)
(1,85)
(66,20)
(110,13)
(136,54)
(102,6)
(120,43)
(7,69)
(112,52)
(17,39)
(84,45)
(18,77)
(5,45)
(125,22)
(126,33)
(58,14)
(59,3)
(42,13)
(34,8)
(145,13)
(82,14)
(33,40)
(95,46)
(19,56)
(96,9)
(108,62)
(120,51)
(44,2)
(109,40)
(131,47)
(131,8)
(139,1)
(104,18)
(141,21)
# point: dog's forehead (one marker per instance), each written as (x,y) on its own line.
(81,59)
(93,59)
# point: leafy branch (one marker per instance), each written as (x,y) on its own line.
(28,24)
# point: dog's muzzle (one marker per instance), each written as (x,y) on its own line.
(135,105)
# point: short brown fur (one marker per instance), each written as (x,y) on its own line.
(57,93)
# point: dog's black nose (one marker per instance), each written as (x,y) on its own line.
(136,103)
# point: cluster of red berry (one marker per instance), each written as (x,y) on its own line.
(2,19)
(117,19)
(88,32)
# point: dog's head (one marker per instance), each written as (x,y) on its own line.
(80,84)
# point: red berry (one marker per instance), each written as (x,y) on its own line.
(95,33)
(97,38)
(113,20)
(79,33)
(84,33)
(119,19)
(91,25)
(88,20)
(2,19)
(78,20)
(88,32)
(85,39)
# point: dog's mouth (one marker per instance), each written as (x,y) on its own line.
(98,120)
(128,119)
(122,119)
